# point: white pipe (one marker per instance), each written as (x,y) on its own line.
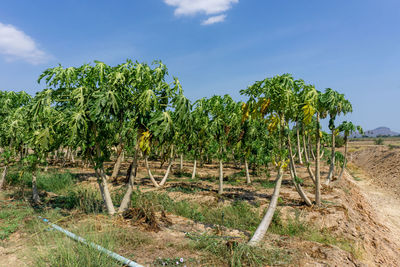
(115,256)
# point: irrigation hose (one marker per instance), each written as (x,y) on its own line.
(113,255)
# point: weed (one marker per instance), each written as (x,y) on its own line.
(235,253)
(85,199)
(174,261)
(265,183)
(11,216)
(238,215)
(50,182)
(379,141)
(62,251)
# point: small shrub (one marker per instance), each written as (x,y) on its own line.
(379,141)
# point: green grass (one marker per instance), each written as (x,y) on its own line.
(265,183)
(299,228)
(52,248)
(12,215)
(239,215)
(85,199)
(234,253)
(51,181)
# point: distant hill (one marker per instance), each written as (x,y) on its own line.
(380,131)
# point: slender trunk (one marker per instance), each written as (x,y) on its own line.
(181,163)
(317,167)
(246,165)
(310,172)
(102,181)
(3,177)
(221,178)
(146,162)
(266,221)
(345,158)
(73,157)
(293,174)
(332,166)
(298,143)
(310,148)
(35,194)
(164,179)
(65,157)
(305,148)
(132,175)
(194,169)
(117,165)
(322,153)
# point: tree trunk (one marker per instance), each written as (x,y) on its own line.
(317,167)
(146,162)
(194,169)
(266,221)
(298,143)
(164,179)
(117,165)
(310,172)
(132,175)
(246,165)
(293,174)
(35,194)
(102,181)
(73,157)
(221,178)
(181,163)
(332,166)
(345,158)
(3,177)
(310,148)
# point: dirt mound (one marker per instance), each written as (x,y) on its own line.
(382,163)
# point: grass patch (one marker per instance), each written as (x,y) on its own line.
(184,188)
(50,181)
(235,254)
(265,183)
(239,215)
(52,248)
(85,199)
(12,215)
(299,228)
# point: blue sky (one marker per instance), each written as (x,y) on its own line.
(217,46)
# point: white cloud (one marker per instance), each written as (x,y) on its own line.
(15,44)
(209,7)
(214,19)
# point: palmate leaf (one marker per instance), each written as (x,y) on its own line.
(308,111)
(147,100)
(144,142)
(273,122)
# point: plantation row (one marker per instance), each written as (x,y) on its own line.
(95,112)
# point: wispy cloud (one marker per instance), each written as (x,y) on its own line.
(214,19)
(208,7)
(15,44)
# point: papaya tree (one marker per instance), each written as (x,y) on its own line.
(347,128)
(335,104)
(102,100)
(272,97)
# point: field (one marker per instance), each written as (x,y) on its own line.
(188,223)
